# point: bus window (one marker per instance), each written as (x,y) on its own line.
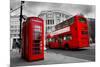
(49,40)
(53,39)
(71,20)
(67,37)
(60,38)
(64,23)
(82,20)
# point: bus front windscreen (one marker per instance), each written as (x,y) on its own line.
(83,20)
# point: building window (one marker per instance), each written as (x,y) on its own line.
(48,22)
(49,15)
(58,20)
(57,14)
(49,27)
(62,15)
(53,21)
(66,16)
(11,26)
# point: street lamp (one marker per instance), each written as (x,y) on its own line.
(21,16)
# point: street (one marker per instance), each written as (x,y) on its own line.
(86,53)
(57,56)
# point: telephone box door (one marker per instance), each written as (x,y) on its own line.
(37,42)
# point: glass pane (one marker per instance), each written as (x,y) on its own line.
(82,19)
(71,20)
(60,39)
(37,51)
(50,40)
(37,34)
(37,26)
(64,24)
(68,37)
(37,39)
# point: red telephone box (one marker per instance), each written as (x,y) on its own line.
(33,39)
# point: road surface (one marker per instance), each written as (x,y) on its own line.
(56,56)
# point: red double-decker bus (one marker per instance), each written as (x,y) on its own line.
(71,33)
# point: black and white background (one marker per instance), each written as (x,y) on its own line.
(5,34)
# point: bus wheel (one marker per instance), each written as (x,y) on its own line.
(66,46)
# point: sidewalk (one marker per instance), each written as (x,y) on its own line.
(50,58)
(93,44)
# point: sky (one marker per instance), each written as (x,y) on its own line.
(33,8)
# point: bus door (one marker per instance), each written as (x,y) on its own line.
(60,41)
